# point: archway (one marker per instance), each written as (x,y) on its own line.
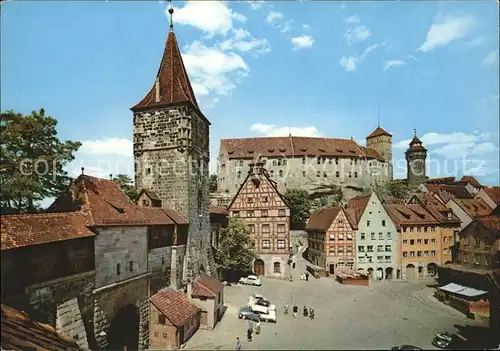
(410,271)
(124,329)
(380,273)
(388,273)
(432,269)
(258,267)
(370,273)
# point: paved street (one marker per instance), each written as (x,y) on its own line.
(347,317)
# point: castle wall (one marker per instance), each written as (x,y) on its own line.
(159,264)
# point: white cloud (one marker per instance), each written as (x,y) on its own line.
(451,151)
(270,130)
(243,41)
(357,34)
(213,71)
(491,59)
(350,63)
(432,138)
(447,29)
(302,42)
(256,4)
(273,16)
(353,20)
(305,26)
(393,63)
(111,146)
(211,17)
(287,26)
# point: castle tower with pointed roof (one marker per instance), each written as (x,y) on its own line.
(381,141)
(415,162)
(171,152)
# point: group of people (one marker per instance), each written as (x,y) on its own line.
(251,328)
(305,276)
(295,310)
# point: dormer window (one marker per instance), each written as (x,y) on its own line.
(145,202)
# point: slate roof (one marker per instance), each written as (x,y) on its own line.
(206,286)
(323,218)
(412,214)
(35,229)
(173,79)
(377,132)
(175,306)
(293,146)
(20,332)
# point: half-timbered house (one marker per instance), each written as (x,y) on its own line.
(267,215)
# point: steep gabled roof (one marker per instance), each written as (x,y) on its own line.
(323,218)
(175,306)
(471,180)
(172,80)
(355,208)
(494,193)
(377,132)
(206,286)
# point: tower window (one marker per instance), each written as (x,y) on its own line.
(241,163)
(336,161)
(148,170)
(118,269)
(337,174)
(281,173)
(303,173)
(303,160)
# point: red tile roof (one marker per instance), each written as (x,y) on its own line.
(458,191)
(415,140)
(295,147)
(493,193)
(471,180)
(377,132)
(217,210)
(441,180)
(323,218)
(206,286)
(172,77)
(475,207)
(20,332)
(176,306)
(150,193)
(355,208)
(105,204)
(438,210)
(35,229)
(411,214)
(492,222)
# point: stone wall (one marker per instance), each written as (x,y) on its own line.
(416,172)
(296,174)
(159,263)
(109,301)
(120,246)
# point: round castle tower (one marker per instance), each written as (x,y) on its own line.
(415,162)
(381,141)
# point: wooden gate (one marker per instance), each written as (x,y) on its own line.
(258,267)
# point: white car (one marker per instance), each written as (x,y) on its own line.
(260,301)
(265,314)
(250,280)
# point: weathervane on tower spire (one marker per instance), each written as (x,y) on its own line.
(415,131)
(171,12)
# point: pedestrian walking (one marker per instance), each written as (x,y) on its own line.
(307,276)
(311,313)
(295,311)
(238,344)
(249,334)
(306,312)
(286,309)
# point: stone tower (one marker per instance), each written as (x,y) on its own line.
(171,153)
(415,162)
(381,141)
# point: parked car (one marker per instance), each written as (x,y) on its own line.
(261,302)
(406,347)
(247,313)
(265,314)
(250,280)
(443,340)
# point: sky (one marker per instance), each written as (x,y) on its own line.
(260,68)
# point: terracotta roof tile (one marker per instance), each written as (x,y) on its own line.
(411,214)
(323,218)
(493,193)
(295,147)
(475,207)
(172,77)
(206,286)
(458,191)
(441,180)
(437,208)
(20,332)
(353,216)
(470,179)
(175,305)
(356,206)
(151,194)
(415,140)
(217,210)
(377,132)
(104,204)
(35,229)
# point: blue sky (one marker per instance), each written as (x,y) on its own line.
(265,68)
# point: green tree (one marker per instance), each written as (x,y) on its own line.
(235,246)
(32,161)
(300,207)
(127,185)
(329,193)
(212,183)
(394,189)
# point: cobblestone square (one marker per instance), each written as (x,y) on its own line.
(380,316)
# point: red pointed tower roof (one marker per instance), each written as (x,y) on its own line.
(416,144)
(172,83)
(377,132)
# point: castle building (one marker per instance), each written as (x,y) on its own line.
(416,156)
(267,215)
(171,154)
(307,163)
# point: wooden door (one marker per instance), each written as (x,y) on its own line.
(258,267)
(203,319)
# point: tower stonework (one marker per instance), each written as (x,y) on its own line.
(381,141)
(416,156)
(171,154)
